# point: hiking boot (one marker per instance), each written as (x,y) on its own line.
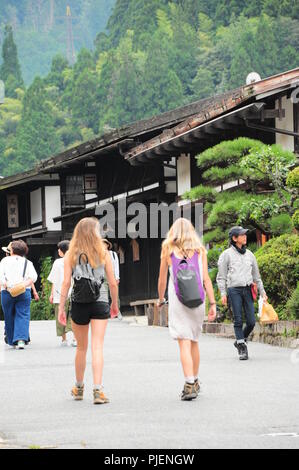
(99,397)
(20,345)
(197,386)
(243,354)
(242,350)
(189,392)
(77,392)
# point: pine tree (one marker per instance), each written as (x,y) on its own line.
(10,70)
(202,85)
(36,138)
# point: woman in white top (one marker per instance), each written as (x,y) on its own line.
(15,269)
(185,324)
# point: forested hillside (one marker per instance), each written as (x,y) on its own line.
(154,56)
(40,29)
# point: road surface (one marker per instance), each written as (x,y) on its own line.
(243,404)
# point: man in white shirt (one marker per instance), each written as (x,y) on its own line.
(56,278)
(115,264)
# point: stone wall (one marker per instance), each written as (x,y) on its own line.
(283,333)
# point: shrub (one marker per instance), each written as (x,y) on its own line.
(252,247)
(213,274)
(214,236)
(292,306)
(43,310)
(295,220)
(213,256)
(280,224)
(293,178)
(279,268)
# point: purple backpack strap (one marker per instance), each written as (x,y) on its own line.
(175,266)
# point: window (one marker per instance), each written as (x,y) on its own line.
(74,191)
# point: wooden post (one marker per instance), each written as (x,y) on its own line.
(156,315)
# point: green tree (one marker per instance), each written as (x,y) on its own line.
(122,75)
(10,71)
(35,138)
(85,109)
(56,75)
(202,84)
(258,166)
(163,89)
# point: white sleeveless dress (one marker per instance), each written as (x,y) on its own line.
(184,322)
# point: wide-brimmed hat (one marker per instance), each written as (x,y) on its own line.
(7,249)
(236,231)
(107,243)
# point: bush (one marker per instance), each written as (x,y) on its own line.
(292,307)
(293,178)
(43,310)
(213,256)
(213,274)
(252,247)
(214,236)
(295,220)
(279,268)
(280,224)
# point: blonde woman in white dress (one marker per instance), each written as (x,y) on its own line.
(185,324)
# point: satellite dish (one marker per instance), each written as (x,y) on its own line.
(252,78)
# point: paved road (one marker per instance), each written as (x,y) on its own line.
(252,404)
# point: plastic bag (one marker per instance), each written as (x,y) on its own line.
(268,314)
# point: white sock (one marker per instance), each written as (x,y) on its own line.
(97,387)
(190,380)
(79,384)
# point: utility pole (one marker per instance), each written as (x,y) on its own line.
(51,18)
(71,56)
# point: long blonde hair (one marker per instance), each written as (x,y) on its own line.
(182,236)
(87,239)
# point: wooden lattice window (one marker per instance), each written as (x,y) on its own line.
(74,191)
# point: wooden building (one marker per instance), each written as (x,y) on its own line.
(149,161)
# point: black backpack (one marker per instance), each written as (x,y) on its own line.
(86,287)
